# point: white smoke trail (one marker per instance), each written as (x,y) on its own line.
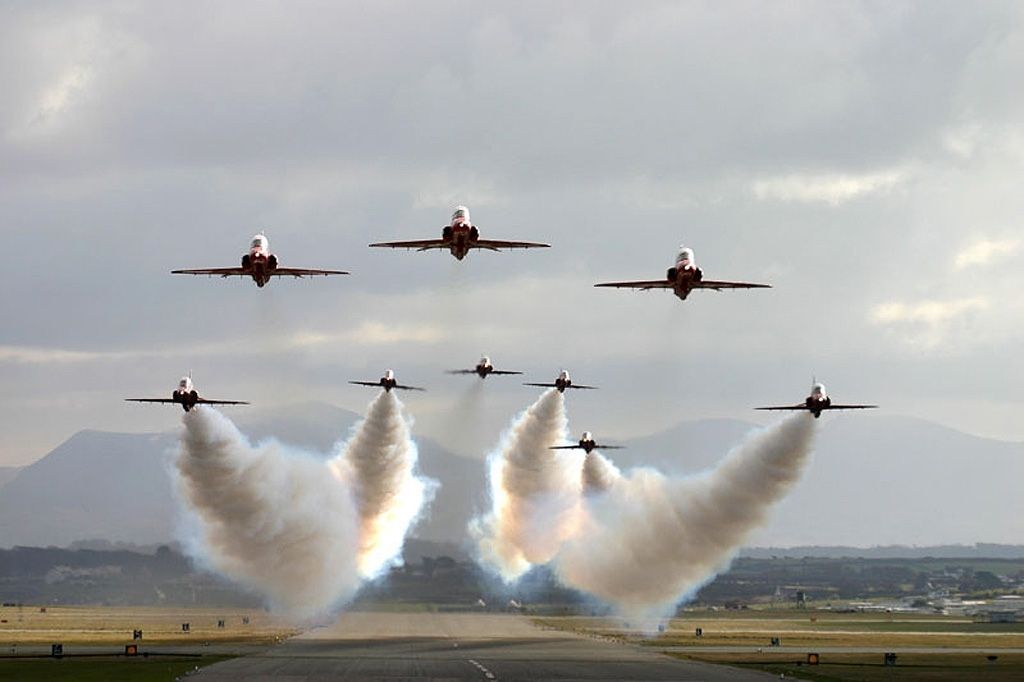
(535,492)
(650,540)
(599,474)
(380,462)
(303,531)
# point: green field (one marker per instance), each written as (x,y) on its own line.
(104,669)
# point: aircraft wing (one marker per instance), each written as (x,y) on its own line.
(367,383)
(801,406)
(581,386)
(305,272)
(642,285)
(418,244)
(540,385)
(213,272)
(851,407)
(461,371)
(718,285)
(566,447)
(149,400)
(498,245)
(408,388)
(609,447)
(503,371)
(204,401)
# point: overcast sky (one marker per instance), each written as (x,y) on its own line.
(864,158)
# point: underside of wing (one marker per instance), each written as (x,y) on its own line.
(418,244)
(408,388)
(305,272)
(205,401)
(503,371)
(365,383)
(461,371)
(213,272)
(852,407)
(582,387)
(642,285)
(149,400)
(609,447)
(565,447)
(540,385)
(719,285)
(498,245)
(783,407)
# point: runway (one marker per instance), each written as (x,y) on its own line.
(448,646)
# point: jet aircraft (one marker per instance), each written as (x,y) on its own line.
(186,396)
(587,444)
(459,237)
(562,382)
(683,278)
(260,264)
(483,369)
(387,382)
(817,402)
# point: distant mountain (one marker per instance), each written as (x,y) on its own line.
(874,480)
(116,487)
(8,474)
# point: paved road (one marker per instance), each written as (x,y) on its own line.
(436,646)
(838,650)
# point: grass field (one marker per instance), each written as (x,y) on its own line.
(98,625)
(103,669)
(810,630)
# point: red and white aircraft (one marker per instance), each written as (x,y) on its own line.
(683,278)
(817,402)
(260,264)
(387,382)
(563,382)
(587,444)
(186,396)
(483,369)
(459,237)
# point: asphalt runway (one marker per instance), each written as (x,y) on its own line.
(457,646)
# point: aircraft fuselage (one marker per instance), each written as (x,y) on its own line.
(459,237)
(683,277)
(187,399)
(816,404)
(259,264)
(484,370)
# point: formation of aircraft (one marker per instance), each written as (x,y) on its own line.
(682,278)
(460,236)
(587,444)
(387,382)
(186,396)
(260,264)
(817,402)
(483,369)
(562,382)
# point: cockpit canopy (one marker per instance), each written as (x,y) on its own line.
(818,390)
(685,255)
(587,435)
(461,214)
(185,384)
(259,242)
(485,361)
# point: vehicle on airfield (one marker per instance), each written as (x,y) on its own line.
(587,444)
(562,382)
(460,236)
(387,382)
(682,278)
(483,369)
(260,264)
(186,396)
(817,402)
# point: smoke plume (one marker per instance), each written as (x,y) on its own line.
(535,492)
(649,540)
(302,530)
(599,474)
